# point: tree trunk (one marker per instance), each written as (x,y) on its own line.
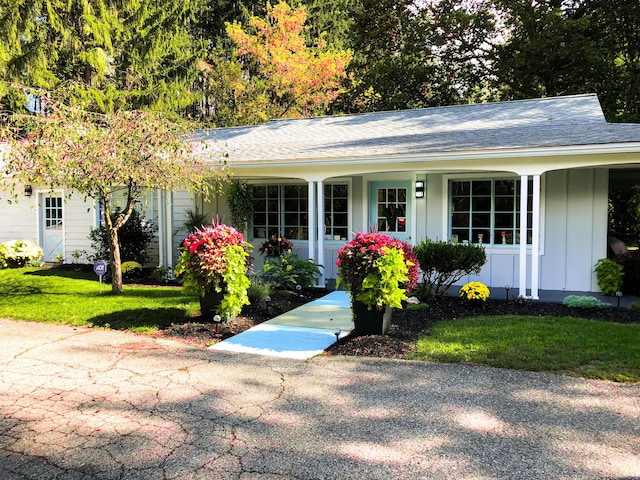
(116,264)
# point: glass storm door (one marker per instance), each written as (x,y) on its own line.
(51,227)
(390,208)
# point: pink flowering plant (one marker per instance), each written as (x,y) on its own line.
(275,246)
(215,259)
(377,270)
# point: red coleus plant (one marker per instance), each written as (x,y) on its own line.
(215,259)
(359,258)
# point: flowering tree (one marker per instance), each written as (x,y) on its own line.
(97,155)
(300,80)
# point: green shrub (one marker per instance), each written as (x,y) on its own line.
(580,301)
(19,253)
(131,270)
(289,271)
(134,238)
(161,275)
(258,290)
(444,263)
(635,306)
(610,275)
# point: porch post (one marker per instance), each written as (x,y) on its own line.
(535,246)
(311,220)
(524,194)
(162,227)
(320,257)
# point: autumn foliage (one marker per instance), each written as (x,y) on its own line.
(301,80)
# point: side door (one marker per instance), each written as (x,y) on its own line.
(390,208)
(51,225)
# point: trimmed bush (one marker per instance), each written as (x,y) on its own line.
(444,263)
(19,253)
(289,271)
(131,270)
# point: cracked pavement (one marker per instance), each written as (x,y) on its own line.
(81,403)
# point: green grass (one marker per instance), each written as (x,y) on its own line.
(74,298)
(570,346)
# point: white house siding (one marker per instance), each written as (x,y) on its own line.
(576,228)
(79,218)
(21,221)
(574,231)
(18,221)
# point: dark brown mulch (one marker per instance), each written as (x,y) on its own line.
(201,333)
(407,327)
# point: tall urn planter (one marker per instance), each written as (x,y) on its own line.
(209,303)
(370,322)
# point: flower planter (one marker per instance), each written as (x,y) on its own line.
(370,322)
(209,302)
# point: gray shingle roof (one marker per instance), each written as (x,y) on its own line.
(549,122)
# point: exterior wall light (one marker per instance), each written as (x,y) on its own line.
(28,190)
(419,189)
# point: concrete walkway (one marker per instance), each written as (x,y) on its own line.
(300,333)
(91,404)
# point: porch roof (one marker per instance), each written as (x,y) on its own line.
(492,127)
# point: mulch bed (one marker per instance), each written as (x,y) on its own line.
(407,326)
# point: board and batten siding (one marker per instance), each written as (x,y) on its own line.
(573,229)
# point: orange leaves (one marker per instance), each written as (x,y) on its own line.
(301,80)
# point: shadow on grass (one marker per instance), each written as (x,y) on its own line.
(54,272)
(140,319)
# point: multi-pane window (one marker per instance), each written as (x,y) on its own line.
(488,211)
(53,213)
(336,203)
(146,205)
(284,210)
(392,210)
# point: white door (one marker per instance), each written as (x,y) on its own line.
(51,226)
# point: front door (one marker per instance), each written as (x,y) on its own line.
(51,226)
(390,208)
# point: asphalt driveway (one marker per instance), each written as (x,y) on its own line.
(86,403)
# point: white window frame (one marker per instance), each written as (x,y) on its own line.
(491,248)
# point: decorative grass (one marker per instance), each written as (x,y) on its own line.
(568,345)
(74,298)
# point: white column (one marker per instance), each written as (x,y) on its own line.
(311,220)
(162,227)
(169,241)
(524,194)
(535,246)
(320,257)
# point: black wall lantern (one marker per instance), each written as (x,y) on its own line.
(419,189)
(28,190)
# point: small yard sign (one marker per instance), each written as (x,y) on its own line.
(100,267)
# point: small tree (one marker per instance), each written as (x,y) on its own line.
(134,239)
(98,155)
(444,263)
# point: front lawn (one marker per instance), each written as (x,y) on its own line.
(74,298)
(565,345)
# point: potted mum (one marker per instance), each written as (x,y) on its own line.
(377,270)
(213,264)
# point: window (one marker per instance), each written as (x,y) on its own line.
(488,211)
(336,202)
(146,205)
(392,210)
(284,210)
